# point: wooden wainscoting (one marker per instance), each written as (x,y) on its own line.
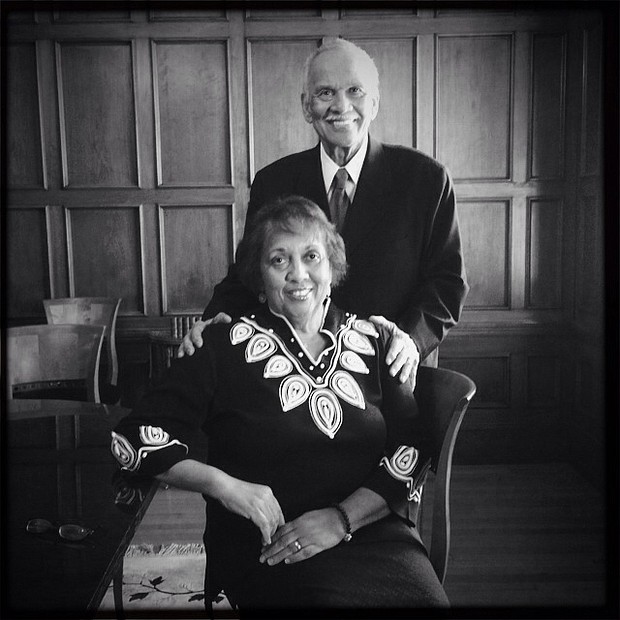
(133,138)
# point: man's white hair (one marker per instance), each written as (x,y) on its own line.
(335,43)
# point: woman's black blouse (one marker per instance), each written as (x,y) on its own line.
(314,430)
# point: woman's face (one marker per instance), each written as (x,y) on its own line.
(296,274)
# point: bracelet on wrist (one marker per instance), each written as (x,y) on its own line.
(345,519)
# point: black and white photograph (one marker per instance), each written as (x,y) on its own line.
(310,309)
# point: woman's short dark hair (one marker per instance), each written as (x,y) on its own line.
(281,215)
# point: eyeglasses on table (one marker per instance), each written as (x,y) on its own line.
(67,531)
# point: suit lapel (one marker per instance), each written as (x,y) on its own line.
(371,197)
(309,181)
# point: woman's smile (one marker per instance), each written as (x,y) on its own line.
(299,294)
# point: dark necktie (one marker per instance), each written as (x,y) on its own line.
(339,201)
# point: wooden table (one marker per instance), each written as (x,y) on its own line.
(59,467)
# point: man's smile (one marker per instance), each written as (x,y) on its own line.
(341,123)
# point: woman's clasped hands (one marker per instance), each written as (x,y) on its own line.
(300,539)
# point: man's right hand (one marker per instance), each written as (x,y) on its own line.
(193,338)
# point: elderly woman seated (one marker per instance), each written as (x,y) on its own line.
(314,450)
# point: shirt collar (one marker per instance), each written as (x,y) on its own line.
(333,319)
(329,167)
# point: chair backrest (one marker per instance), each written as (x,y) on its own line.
(46,357)
(443,397)
(89,311)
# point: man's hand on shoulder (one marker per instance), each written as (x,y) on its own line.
(193,338)
(403,356)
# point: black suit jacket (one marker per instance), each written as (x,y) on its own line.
(401,235)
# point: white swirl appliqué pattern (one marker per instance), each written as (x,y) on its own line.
(322,392)
(326,411)
(240,333)
(123,451)
(294,391)
(358,342)
(345,386)
(153,440)
(277,366)
(366,327)
(401,466)
(353,362)
(153,436)
(259,348)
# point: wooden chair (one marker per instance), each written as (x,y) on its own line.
(443,397)
(163,347)
(89,311)
(49,361)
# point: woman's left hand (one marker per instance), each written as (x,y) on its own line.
(300,539)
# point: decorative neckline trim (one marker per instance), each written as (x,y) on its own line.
(324,379)
(322,330)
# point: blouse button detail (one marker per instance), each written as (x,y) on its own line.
(322,365)
(300,354)
(311,367)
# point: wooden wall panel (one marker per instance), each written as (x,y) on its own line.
(20,16)
(91,16)
(548,106)
(589,249)
(592,111)
(588,394)
(275,76)
(176,109)
(281,14)
(544,244)
(350,13)
(491,376)
(27,256)
(466,10)
(24,155)
(590,419)
(474,105)
(98,117)
(396,63)
(543,381)
(186,15)
(485,230)
(192,113)
(205,236)
(105,254)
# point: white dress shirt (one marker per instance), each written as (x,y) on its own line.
(329,168)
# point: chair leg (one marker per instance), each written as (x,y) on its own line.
(117,589)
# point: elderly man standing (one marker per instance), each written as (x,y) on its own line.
(393,205)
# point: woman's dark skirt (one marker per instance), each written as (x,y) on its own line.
(384,566)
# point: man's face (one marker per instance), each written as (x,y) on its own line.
(340,101)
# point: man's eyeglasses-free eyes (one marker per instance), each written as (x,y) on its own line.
(67,531)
